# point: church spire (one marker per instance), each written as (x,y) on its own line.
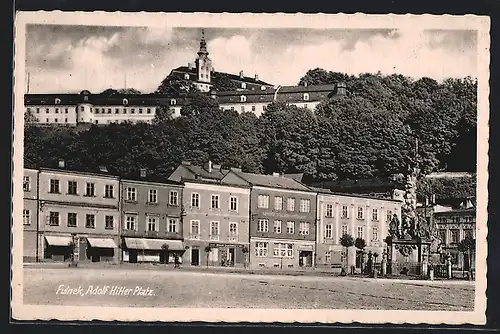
(203,45)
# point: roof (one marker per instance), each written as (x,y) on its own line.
(150,178)
(455,211)
(100,99)
(215,74)
(28,164)
(215,174)
(367,184)
(271,181)
(80,170)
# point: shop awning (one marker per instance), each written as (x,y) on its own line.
(102,242)
(154,244)
(54,240)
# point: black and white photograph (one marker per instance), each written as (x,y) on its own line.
(250,167)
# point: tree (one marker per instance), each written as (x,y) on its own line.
(319,76)
(347,241)
(29,118)
(447,190)
(360,244)
(468,245)
(222,82)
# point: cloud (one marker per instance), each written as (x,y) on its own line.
(95,58)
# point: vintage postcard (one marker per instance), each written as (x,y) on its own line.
(250,167)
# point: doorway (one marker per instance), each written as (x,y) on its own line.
(195,257)
(132,256)
(230,257)
(305,259)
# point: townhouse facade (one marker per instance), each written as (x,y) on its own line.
(30,215)
(359,216)
(78,212)
(151,216)
(282,220)
(454,226)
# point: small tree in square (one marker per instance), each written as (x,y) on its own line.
(208,249)
(347,241)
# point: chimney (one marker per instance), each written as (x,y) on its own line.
(256,77)
(216,167)
(103,169)
(305,83)
(234,169)
(241,74)
(208,166)
(142,172)
(186,163)
(61,163)
(190,66)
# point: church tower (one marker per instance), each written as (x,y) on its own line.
(203,66)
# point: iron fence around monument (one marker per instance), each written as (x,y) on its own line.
(405,268)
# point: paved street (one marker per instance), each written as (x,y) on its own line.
(177,288)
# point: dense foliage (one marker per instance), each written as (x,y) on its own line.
(369,132)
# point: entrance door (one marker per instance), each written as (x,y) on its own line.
(230,258)
(466,262)
(195,257)
(132,256)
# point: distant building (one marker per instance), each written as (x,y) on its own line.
(216,222)
(282,220)
(80,207)
(361,217)
(152,227)
(30,213)
(454,226)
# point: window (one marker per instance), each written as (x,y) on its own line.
(131,194)
(173,198)
(277,226)
(213,255)
(153,196)
(152,223)
(389,215)
(233,231)
(233,203)
(253,108)
(375,214)
(278,203)
(305,97)
(195,228)
(243,85)
(117,111)
(215,202)
(214,230)
(148,110)
(90,189)
(374,233)
(195,200)
(360,213)
(26,217)
(55,120)
(140,110)
(109,191)
(328,231)
(304,228)
(131,222)
(54,218)
(454,236)
(173,102)
(186,76)
(283,250)
(90,221)
(26,183)
(290,204)
(65,120)
(290,227)
(109,222)
(263,201)
(329,211)
(442,236)
(243,98)
(172,225)
(360,232)
(345,212)
(57,110)
(345,230)
(261,249)
(305,205)
(54,186)
(72,219)
(328,257)
(263,225)
(468,233)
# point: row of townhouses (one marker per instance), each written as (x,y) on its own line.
(250,95)
(203,215)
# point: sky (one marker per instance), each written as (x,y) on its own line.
(64,58)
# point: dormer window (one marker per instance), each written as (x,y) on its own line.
(125,102)
(306,97)
(173,102)
(244,85)
(57,100)
(262,87)
(85,98)
(186,76)
(243,98)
